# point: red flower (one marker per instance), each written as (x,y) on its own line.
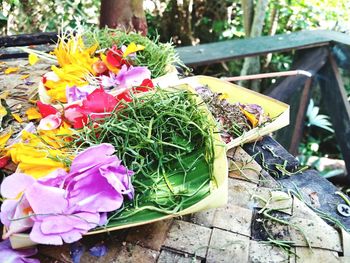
(46,109)
(98,104)
(3,161)
(76,116)
(126,96)
(99,101)
(145,86)
(115,57)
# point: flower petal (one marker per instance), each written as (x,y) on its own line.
(10,255)
(46,199)
(5,137)
(132,48)
(91,157)
(33,59)
(50,122)
(132,76)
(33,114)
(99,101)
(46,109)
(37,236)
(15,184)
(74,94)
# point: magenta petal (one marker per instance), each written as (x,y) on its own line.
(97,196)
(118,178)
(15,184)
(65,223)
(109,81)
(103,219)
(46,199)
(58,224)
(37,236)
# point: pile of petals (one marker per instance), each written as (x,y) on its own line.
(62,206)
(81,69)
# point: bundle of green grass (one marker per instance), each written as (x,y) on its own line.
(158,57)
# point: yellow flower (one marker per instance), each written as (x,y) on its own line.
(75,64)
(34,157)
(33,59)
(56,138)
(33,114)
(132,48)
(3,111)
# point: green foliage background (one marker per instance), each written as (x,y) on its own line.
(183,20)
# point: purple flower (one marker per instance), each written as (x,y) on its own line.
(64,206)
(74,93)
(97,181)
(9,255)
(13,208)
(126,77)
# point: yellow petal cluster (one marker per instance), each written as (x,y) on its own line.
(75,64)
(39,155)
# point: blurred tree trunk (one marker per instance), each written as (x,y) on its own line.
(251,65)
(124,14)
(272,31)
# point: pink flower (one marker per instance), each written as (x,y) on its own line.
(50,122)
(96,105)
(46,109)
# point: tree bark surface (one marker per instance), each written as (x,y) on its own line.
(124,14)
